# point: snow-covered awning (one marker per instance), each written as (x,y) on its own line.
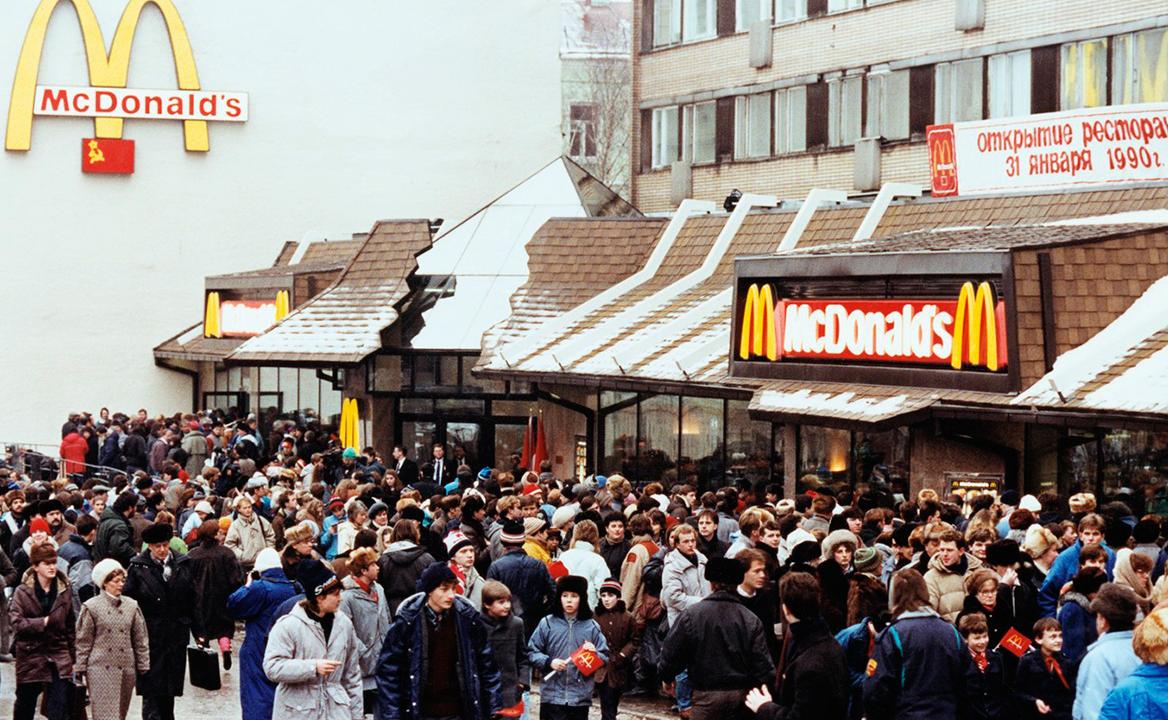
(846,404)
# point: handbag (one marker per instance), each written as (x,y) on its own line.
(204,664)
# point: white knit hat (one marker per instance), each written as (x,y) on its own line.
(104,569)
(267,559)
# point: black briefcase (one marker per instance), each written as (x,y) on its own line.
(204,664)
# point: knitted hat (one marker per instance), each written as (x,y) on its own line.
(1010,497)
(1003,553)
(1029,502)
(868,560)
(433,576)
(531,489)
(513,533)
(610,585)
(574,584)
(157,533)
(335,502)
(42,552)
(349,454)
(267,559)
(298,533)
(456,541)
(725,571)
(38,524)
(316,578)
(104,569)
(532,525)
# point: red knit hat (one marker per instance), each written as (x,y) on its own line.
(39,524)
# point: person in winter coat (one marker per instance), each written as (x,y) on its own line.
(313,655)
(266,587)
(1075,615)
(1045,684)
(918,664)
(814,675)
(437,659)
(78,556)
(945,578)
(583,560)
(249,533)
(363,601)
(462,553)
(1111,658)
(73,450)
(1143,695)
(622,632)
(834,571)
(508,643)
(567,695)
(981,587)
(640,553)
(44,629)
(1066,565)
(154,579)
(986,694)
(402,563)
(113,647)
(115,534)
(214,573)
(531,585)
(194,444)
(719,644)
(683,582)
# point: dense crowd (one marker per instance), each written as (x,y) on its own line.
(411,589)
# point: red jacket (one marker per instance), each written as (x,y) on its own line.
(73,450)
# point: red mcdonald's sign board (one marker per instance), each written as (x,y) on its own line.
(942,159)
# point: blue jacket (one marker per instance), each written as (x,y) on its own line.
(328,540)
(917,670)
(257,604)
(1109,660)
(531,585)
(1142,696)
(402,666)
(854,640)
(1078,624)
(1064,567)
(557,638)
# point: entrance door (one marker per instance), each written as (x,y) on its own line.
(463,443)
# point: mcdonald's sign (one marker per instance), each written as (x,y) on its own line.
(968,331)
(107,99)
(242,318)
(942,159)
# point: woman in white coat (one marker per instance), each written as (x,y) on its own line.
(313,654)
(582,559)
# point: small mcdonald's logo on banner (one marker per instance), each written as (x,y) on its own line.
(586,661)
(1015,643)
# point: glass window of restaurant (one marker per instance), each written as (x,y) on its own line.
(837,456)
(705,442)
(302,394)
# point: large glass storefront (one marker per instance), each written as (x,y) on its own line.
(706,442)
(306,395)
(1109,462)
(845,457)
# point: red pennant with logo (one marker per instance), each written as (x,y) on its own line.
(557,569)
(107,156)
(1015,643)
(586,661)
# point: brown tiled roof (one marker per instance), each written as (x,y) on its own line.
(343,325)
(319,257)
(196,347)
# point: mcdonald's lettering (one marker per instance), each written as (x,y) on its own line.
(942,159)
(107,99)
(968,331)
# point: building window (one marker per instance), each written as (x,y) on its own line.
(834,6)
(751,453)
(958,91)
(825,453)
(700,462)
(790,10)
(1009,84)
(582,137)
(666,22)
(888,105)
(844,109)
(752,126)
(664,136)
(750,12)
(1084,74)
(790,120)
(701,19)
(698,133)
(1139,67)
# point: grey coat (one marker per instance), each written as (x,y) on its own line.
(682,583)
(370,618)
(294,645)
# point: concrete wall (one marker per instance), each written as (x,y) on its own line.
(359,111)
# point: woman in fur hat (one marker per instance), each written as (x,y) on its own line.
(112,643)
(834,572)
(44,639)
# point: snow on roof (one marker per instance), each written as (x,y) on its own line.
(1123,368)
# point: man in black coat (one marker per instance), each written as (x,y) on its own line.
(407,470)
(813,674)
(154,580)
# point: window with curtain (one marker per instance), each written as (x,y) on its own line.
(958,91)
(1083,81)
(888,105)
(666,22)
(844,109)
(620,443)
(790,120)
(701,19)
(790,10)
(657,446)
(664,136)
(752,126)
(1009,76)
(1139,67)
(750,12)
(748,445)
(701,441)
(698,130)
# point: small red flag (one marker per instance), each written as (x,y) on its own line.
(107,155)
(1015,642)
(586,661)
(557,569)
(540,453)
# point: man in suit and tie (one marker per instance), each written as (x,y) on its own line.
(443,467)
(407,470)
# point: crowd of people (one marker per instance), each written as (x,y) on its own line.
(417,589)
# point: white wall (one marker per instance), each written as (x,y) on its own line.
(359,110)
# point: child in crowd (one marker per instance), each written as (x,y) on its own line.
(622,632)
(566,693)
(985,678)
(1045,685)
(505,631)
(1075,615)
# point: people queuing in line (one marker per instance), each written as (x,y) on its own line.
(385,588)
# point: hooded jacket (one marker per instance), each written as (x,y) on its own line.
(1109,660)
(294,645)
(683,583)
(1142,696)
(247,537)
(917,669)
(399,570)
(947,584)
(256,604)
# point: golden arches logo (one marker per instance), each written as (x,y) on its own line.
(980,310)
(758,337)
(108,70)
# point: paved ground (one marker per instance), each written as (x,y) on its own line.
(196,704)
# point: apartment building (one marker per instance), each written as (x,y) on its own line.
(780,96)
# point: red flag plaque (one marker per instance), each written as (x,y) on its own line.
(107,156)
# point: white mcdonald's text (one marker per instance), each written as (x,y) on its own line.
(920,331)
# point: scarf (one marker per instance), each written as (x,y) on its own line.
(980,659)
(368,587)
(1052,666)
(460,576)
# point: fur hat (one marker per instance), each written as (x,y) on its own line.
(298,533)
(104,569)
(1117,604)
(513,533)
(43,552)
(413,512)
(805,552)
(725,571)
(1150,640)
(836,538)
(1003,553)
(573,584)
(868,560)
(267,559)
(157,533)
(456,541)
(47,506)
(1038,541)
(433,576)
